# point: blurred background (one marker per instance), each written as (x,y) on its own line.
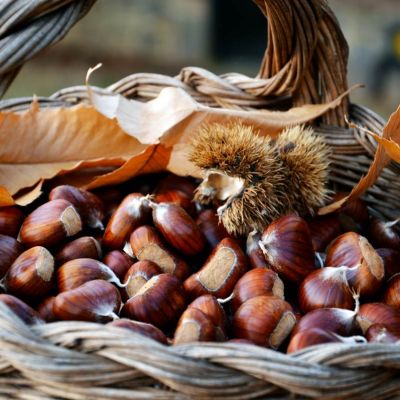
(130,36)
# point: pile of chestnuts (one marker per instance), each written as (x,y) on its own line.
(143,256)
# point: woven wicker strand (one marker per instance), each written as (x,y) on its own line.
(27,27)
(76,360)
(305,62)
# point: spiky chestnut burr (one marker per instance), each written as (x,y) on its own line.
(255,179)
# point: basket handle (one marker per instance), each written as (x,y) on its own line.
(306,55)
(27,27)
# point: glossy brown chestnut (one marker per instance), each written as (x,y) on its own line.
(210,306)
(194,326)
(355,211)
(45,309)
(133,212)
(212,229)
(178,228)
(254,252)
(176,197)
(88,205)
(378,313)
(10,220)
(323,230)
(383,234)
(175,182)
(336,320)
(379,333)
(287,247)
(97,301)
(264,320)
(326,287)
(111,197)
(159,302)
(314,336)
(138,275)
(83,247)
(119,262)
(219,274)
(142,328)
(31,274)
(147,244)
(10,249)
(75,273)
(366,269)
(50,224)
(21,309)
(392,292)
(257,282)
(391,261)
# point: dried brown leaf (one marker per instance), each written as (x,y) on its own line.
(116,140)
(388,148)
(40,144)
(173,117)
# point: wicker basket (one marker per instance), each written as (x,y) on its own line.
(305,62)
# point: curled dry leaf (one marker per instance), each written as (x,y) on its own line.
(116,139)
(388,148)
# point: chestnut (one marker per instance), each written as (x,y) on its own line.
(326,287)
(175,182)
(10,249)
(336,320)
(254,252)
(83,247)
(383,234)
(159,302)
(392,292)
(323,230)
(142,328)
(147,245)
(288,249)
(256,282)
(88,205)
(211,307)
(31,274)
(137,275)
(391,261)
(75,273)
(194,326)
(133,212)
(10,220)
(96,301)
(354,214)
(21,309)
(177,197)
(45,309)
(50,224)
(314,336)
(178,228)
(211,227)
(219,274)
(378,313)
(119,262)
(379,333)
(366,270)
(264,320)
